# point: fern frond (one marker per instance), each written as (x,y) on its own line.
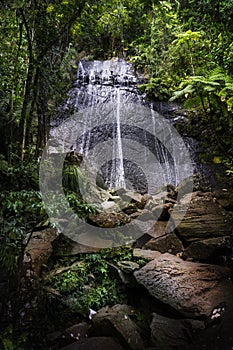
(229,86)
(217,77)
(203,80)
(210,88)
(186,91)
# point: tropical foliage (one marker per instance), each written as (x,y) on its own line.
(91,281)
(170,41)
(184,48)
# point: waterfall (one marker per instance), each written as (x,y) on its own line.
(119,175)
(126,142)
(80,70)
(99,83)
(171,171)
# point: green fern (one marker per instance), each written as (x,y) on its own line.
(189,89)
(217,74)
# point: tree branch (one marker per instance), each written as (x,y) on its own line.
(27,33)
(66,26)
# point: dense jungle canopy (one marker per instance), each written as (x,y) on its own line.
(184,49)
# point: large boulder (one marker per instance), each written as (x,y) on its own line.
(218,332)
(168,333)
(153,229)
(193,289)
(77,331)
(116,322)
(109,206)
(162,211)
(39,249)
(169,243)
(208,248)
(74,333)
(204,218)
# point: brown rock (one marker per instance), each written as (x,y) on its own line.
(169,334)
(109,206)
(39,249)
(146,253)
(193,289)
(203,219)
(152,228)
(116,322)
(169,243)
(158,229)
(208,248)
(130,198)
(159,198)
(109,220)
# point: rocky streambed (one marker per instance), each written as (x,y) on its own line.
(178,284)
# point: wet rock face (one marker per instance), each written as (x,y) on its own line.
(99,96)
(110,109)
(193,289)
(104,75)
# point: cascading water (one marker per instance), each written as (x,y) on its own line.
(126,142)
(170,174)
(119,171)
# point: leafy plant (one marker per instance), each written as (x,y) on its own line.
(88,282)
(18,175)
(11,341)
(188,39)
(20,212)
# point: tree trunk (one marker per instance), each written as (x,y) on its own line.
(25,115)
